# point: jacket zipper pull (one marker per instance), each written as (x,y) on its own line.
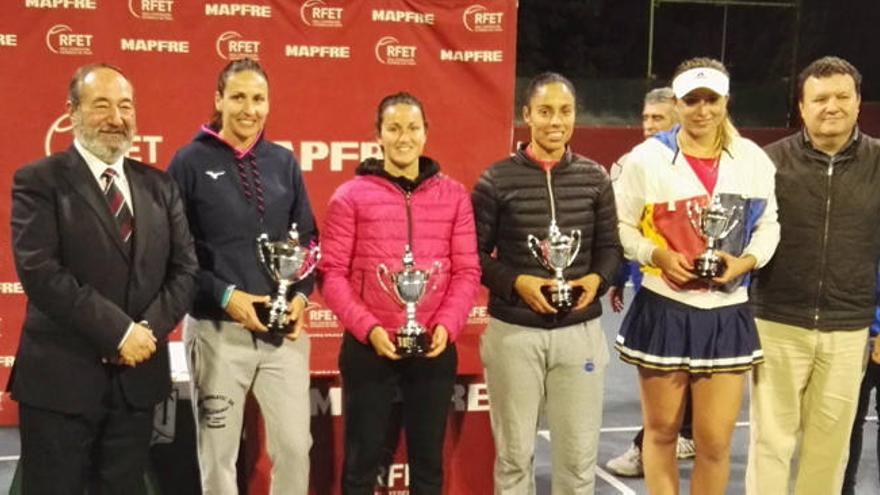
(550,196)
(407,197)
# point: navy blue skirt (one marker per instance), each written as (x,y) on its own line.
(663,334)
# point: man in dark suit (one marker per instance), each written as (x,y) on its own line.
(104,253)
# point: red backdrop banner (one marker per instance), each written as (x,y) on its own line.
(329,63)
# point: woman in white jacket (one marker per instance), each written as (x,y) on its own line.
(690,327)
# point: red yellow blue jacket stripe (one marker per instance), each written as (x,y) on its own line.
(658,198)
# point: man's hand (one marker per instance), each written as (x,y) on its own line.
(138,346)
(382,343)
(875,351)
(590,283)
(438,341)
(529,289)
(615,295)
(734,266)
(295,314)
(675,266)
(241,309)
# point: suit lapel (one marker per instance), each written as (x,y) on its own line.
(141,205)
(82,180)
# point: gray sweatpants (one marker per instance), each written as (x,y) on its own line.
(226,362)
(561,371)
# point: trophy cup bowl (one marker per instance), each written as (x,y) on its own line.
(713,223)
(556,253)
(286,262)
(408,287)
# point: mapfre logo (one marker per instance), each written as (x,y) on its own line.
(61,39)
(389,51)
(8,39)
(59,137)
(337,154)
(152,10)
(402,16)
(238,9)
(472,56)
(157,46)
(231,46)
(478,19)
(11,288)
(316,13)
(61,4)
(315,51)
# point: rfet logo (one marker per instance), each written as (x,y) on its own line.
(152,10)
(316,13)
(394,476)
(478,19)
(61,126)
(61,39)
(320,317)
(231,46)
(144,147)
(389,51)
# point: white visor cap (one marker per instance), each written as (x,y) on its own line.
(701,77)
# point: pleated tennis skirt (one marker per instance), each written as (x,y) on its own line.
(663,334)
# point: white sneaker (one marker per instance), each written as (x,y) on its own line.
(627,464)
(685,448)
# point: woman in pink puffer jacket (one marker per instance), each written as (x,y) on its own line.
(399,202)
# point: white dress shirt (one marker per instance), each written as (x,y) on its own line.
(97,167)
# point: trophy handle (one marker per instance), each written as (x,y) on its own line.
(535,248)
(576,248)
(695,215)
(262,239)
(262,245)
(314,257)
(382,273)
(435,268)
(733,224)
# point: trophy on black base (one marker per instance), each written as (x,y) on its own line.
(286,262)
(556,253)
(407,287)
(713,223)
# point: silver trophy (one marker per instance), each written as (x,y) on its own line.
(407,287)
(713,223)
(286,262)
(556,253)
